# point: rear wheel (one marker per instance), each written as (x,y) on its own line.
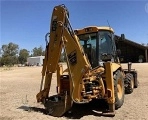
(119,89)
(129,83)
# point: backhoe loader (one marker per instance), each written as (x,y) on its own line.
(93,67)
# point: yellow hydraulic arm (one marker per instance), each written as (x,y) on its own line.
(62,36)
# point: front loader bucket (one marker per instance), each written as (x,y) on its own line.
(57,105)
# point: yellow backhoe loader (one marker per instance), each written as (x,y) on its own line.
(93,68)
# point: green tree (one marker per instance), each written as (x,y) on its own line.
(38,51)
(9,54)
(0,61)
(0,57)
(23,55)
(144,44)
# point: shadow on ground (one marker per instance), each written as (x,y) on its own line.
(95,108)
(35,109)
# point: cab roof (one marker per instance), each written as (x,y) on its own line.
(91,29)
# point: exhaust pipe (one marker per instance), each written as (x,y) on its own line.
(129,66)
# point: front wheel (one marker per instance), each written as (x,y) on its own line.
(118,89)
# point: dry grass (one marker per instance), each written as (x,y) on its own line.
(19,86)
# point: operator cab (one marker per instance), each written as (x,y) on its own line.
(98,44)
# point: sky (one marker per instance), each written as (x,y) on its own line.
(25,22)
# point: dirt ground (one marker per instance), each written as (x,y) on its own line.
(19,86)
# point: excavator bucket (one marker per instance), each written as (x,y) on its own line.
(57,105)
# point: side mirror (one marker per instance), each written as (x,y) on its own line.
(122,37)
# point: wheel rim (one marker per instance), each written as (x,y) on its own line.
(119,89)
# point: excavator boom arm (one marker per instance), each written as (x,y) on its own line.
(62,36)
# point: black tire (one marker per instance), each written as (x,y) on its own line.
(129,83)
(119,89)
